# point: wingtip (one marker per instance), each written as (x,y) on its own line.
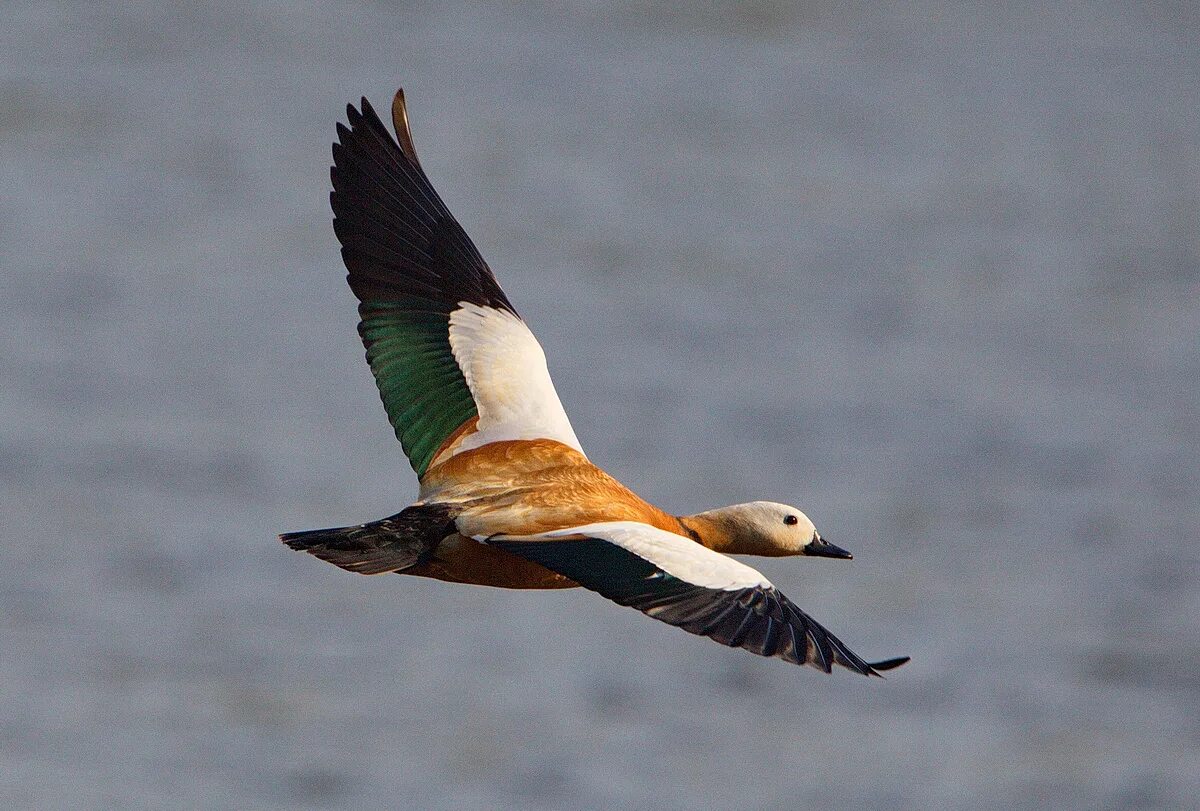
(365,115)
(357,117)
(399,111)
(401,126)
(889,664)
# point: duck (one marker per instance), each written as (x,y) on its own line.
(507,496)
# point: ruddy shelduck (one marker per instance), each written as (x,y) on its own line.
(507,496)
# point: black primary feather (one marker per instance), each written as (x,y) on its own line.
(399,241)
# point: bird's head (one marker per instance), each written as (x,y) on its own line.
(764,528)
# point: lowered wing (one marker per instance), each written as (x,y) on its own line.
(675,580)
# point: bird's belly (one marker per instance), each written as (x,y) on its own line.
(462,560)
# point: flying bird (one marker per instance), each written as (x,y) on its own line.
(508,497)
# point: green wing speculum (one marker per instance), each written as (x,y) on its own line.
(423,390)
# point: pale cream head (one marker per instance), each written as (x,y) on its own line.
(764,528)
(780,526)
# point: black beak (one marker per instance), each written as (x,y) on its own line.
(820,548)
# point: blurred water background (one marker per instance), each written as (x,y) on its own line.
(932,274)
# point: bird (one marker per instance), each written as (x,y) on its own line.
(507,496)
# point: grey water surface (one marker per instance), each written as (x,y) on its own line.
(931,273)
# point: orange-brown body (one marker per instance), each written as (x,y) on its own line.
(523,487)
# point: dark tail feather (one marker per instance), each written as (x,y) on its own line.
(389,545)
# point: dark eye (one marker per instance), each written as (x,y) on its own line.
(790,520)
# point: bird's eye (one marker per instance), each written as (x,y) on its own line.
(791,520)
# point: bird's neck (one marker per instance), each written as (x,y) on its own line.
(722,532)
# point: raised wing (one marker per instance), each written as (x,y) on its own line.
(675,580)
(456,366)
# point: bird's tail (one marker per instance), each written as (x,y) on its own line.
(388,545)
